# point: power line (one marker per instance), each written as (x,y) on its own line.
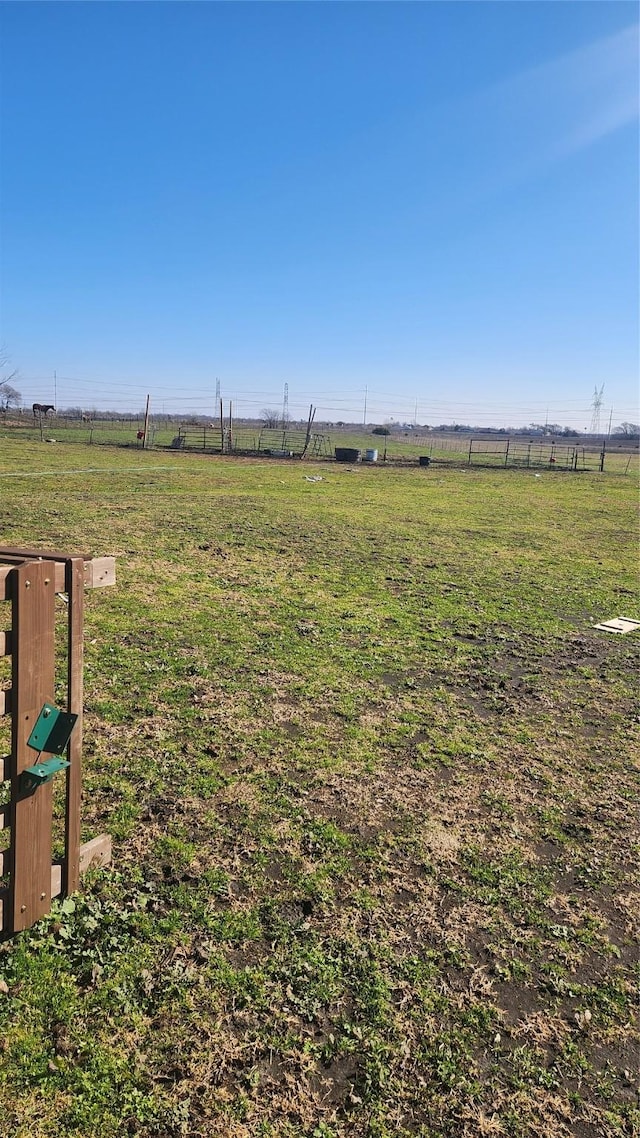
(382,397)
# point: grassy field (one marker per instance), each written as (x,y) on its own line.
(370,776)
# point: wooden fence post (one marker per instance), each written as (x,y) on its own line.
(74,580)
(33,680)
(30,579)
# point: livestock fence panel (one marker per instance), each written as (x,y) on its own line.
(277,442)
(538,454)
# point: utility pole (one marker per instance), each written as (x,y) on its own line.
(146,425)
(364,413)
(610,418)
(285,406)
(55,390)
(309,422)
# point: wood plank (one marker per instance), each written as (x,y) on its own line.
(21,553)
(33,684)
(3,862)
(5,582)
(95,853)
(5,701)
(56,879)
(4,817)
(75,568)
(100,573)
(5,643)
(6,578)
(5,767)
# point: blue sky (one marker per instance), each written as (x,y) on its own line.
(435,202)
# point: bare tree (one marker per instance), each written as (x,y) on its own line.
(9,396)
(271,418)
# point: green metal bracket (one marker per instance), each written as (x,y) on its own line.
(31,777)
(50,734)
(52,730)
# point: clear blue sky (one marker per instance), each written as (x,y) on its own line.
(434,201)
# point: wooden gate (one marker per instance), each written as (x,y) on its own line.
(29,582)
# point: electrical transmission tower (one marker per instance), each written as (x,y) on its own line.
(217,391)
(285,405)
(596,406)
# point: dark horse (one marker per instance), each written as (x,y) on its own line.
(42,408)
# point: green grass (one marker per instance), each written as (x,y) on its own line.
(370,775)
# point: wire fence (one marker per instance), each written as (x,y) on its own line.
(294,440)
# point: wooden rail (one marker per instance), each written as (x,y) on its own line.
(98,574)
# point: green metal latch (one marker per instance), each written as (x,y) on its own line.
(32,777)
(51,734)
(52,730)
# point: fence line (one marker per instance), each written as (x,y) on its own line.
(254,439)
